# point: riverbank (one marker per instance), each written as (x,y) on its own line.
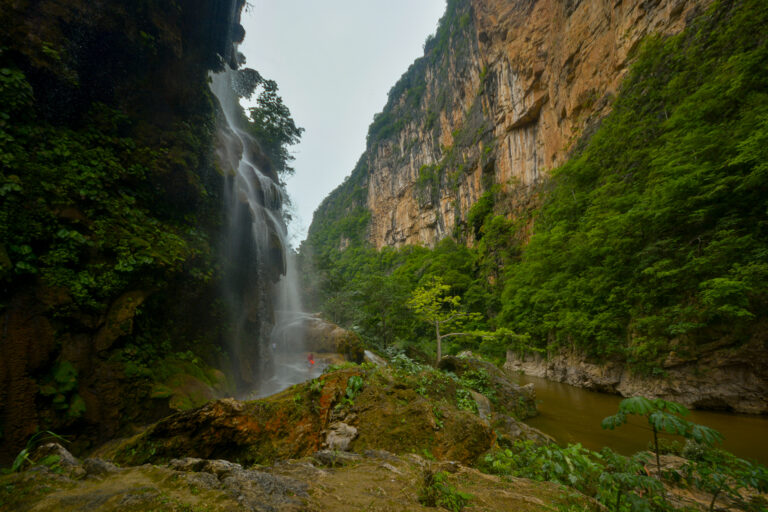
(572,415)
(722,379)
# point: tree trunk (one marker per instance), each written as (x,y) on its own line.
(714,497)
(656,444)
(439,343)
(384,326)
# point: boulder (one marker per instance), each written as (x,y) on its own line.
(323,336)
(66,461)
(333,458)
(340,436)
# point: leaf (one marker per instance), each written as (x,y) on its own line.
(637,405)
(611,422)
(673,407)
(50,460)
(705,435)
(666,422)
(20,459)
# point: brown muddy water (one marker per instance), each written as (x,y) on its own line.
(573,415)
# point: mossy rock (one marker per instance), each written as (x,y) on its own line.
(387,411)
(507,397)
(324,336)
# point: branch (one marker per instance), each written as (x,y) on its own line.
(460,314)
(458,334)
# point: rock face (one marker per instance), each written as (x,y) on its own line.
(503,93)
(735,379)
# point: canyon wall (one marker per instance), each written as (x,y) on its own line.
(503,94)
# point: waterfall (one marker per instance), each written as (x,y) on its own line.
(266,335)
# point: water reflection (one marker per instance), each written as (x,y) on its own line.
(573,415)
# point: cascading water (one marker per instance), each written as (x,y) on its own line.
(260,288)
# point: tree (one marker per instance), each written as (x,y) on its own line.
(722,474)
(432,304)
(272,125)
(663,416)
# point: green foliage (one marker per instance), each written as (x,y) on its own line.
(435,491)
(722,475)
(354,385)
(273,127)
(316,386)
(464,401)
(478,380)
(432,305)
(654,232)
(479,211)
(405,365)
(70,194)
(61,386)
(616,481)
(23,458)
(662,416)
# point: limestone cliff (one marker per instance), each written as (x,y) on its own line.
(503,93)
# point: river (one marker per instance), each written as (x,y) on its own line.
(573,415)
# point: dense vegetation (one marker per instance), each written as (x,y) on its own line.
(70,193)
(111,210)
(652,235)
(108,209)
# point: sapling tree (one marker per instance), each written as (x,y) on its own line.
(722,474)
(433,304)
(662,416)
(623,476)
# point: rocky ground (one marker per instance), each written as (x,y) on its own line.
(327,480)
(360,437)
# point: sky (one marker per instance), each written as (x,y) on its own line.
(334,62)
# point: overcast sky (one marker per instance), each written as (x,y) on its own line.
(334,62)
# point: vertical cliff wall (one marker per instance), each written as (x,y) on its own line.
(504,92)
